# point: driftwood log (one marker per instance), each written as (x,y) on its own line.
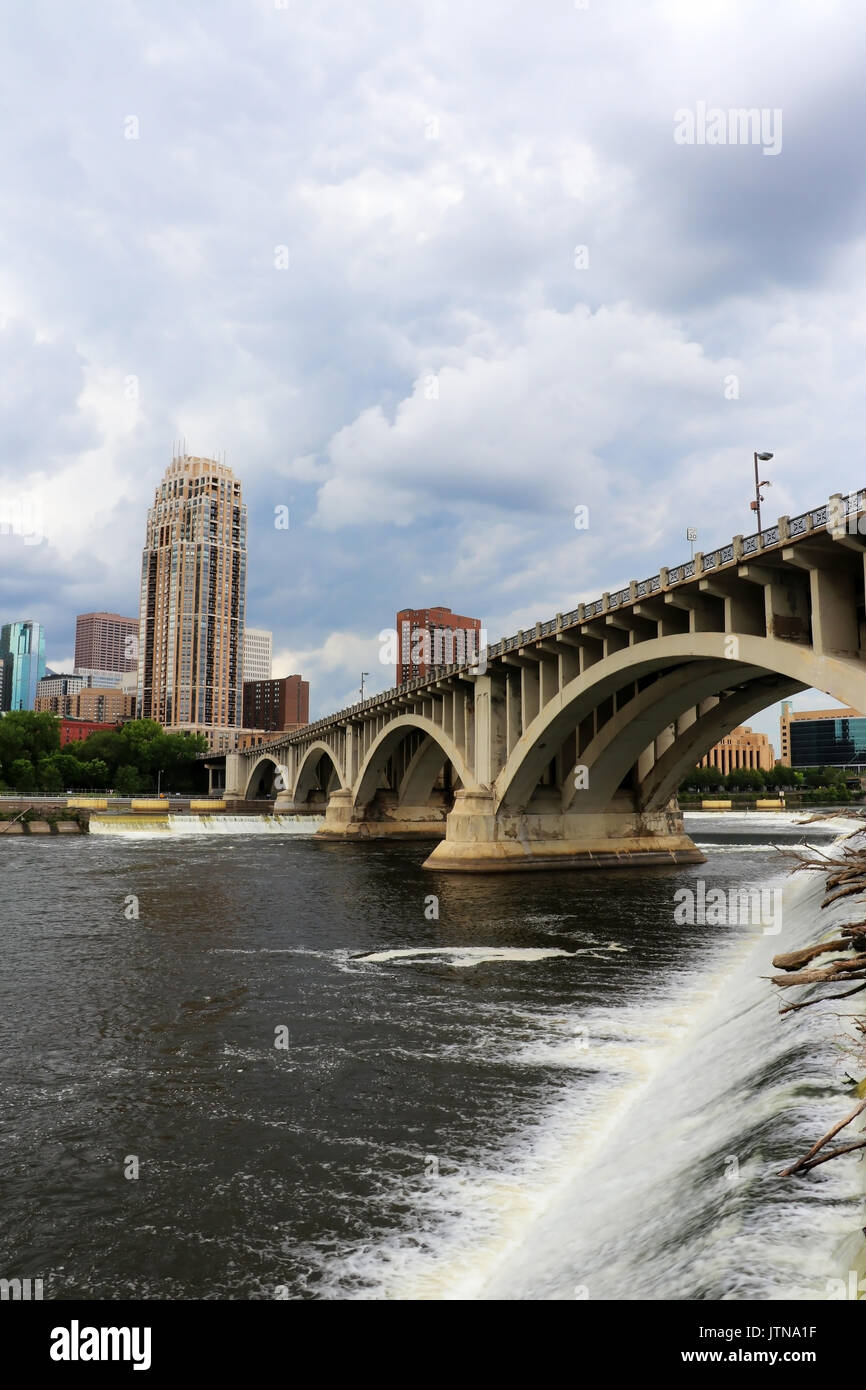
(845,872)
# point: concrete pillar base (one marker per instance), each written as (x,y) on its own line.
(345,821)
(478,841)
(284,805)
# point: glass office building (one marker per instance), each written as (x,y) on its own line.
(22,651)
(828,742)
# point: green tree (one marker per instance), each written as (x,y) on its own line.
(28,736)
(785,778)
(127,780)
(50,776)
(71,770)
(745,779)
(177,757)
(833,776)
(22,775)
(142,731)
(95,774)
(699,779)
(106,744)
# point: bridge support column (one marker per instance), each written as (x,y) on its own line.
(380,819)
(285,805)
(236,774)
(479,839)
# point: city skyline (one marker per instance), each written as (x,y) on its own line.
(766,722)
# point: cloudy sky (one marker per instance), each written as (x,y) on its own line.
(431,274)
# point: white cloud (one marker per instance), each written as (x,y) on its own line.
(424,255)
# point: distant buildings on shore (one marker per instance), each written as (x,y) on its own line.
(73,730)
(193,598)
(104,705)
(188,660)
(433,637)
(276,705)
(22,653)
(106,642)
(741,748)
(807,738)
(822,737)
(257,655)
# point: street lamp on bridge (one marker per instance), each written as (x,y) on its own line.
(756,505)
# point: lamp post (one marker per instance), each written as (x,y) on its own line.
(756,505)
(364,675)
(691,537)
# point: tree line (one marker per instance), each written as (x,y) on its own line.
(780,778)
(127,760)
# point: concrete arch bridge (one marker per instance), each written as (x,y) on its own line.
(565,744)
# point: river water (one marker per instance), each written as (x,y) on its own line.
(551,1090)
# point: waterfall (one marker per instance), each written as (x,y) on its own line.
(660,1179)
(146,827)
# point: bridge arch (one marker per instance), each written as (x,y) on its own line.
(420,775)
(260,778)
(313,773)
(703,659)
(661,782)
(620,741)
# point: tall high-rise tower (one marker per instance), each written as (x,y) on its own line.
(106,642)
(193,595)
(258,649)
(22,651)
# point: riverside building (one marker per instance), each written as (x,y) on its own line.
(258,648)
(106,642)
(193,596)
(822,737)
(741,748)
(428,637)
(22,651)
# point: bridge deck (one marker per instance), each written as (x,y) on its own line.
(839,511)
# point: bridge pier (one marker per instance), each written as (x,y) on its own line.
(285,805)
(478,840)
(380,820)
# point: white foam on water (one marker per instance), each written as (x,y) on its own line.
(714,847)
(254,951)
(734,822)
(464,956)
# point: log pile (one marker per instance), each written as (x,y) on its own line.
(845,870)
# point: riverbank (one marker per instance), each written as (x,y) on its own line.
(787,801)
(44,827)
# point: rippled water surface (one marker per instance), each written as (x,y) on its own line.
(542,1093)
